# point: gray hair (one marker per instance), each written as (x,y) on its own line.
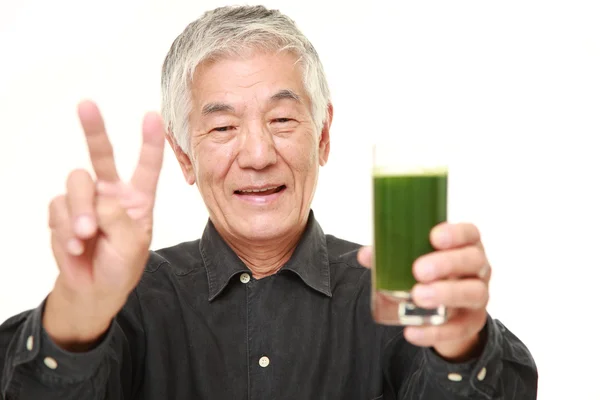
(231,31)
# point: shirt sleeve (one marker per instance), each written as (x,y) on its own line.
(33,367)
(505,370)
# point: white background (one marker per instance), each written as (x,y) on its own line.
(512,86)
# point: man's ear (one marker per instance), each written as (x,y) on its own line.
(184,160)
(324,140)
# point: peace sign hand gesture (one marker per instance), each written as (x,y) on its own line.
(101,233)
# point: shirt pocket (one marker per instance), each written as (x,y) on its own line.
(380,397)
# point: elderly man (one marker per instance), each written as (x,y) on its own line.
(264,305)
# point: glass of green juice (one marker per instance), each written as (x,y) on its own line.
(409,199)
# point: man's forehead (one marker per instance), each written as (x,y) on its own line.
(212,107)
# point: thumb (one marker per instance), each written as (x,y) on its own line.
(365,256)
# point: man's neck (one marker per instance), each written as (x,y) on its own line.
(265,258)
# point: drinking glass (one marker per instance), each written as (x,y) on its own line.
(410,184)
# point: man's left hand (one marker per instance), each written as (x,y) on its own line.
(455,275)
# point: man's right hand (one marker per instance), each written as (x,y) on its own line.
(101,234)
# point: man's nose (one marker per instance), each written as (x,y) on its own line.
(257,148)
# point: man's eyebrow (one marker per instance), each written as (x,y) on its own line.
(286,94)
(212,108)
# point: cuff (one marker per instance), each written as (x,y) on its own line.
(35,346)
(475,378)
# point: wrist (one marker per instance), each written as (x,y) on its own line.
(74,324)
(463,350)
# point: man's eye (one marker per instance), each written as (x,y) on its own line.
(282,120)
(223,128)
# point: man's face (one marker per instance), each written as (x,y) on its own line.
(255,151)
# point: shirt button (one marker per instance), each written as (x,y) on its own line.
(50,363)
(264,361)
(29,343)
(245,278)
(481,374)
(455,377)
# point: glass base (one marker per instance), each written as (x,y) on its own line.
(391,307)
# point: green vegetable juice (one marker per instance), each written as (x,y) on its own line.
(407,205)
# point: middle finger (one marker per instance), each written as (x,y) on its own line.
(461,262)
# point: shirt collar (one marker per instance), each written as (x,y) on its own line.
(310,260)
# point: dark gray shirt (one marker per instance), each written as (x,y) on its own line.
(199,326)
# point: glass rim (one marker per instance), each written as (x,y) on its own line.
(410,169)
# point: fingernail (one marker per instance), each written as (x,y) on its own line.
(85,225)
(483,272)
(442,237)
(426,270)
(74,247)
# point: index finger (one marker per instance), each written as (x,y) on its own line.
(447,236)
(100,149)
(145,176)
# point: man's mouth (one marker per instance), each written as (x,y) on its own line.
(260,191)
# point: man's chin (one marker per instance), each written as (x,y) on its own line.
(261,227)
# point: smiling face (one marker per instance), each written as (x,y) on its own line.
(255,150)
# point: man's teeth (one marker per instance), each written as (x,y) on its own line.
(259,190)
